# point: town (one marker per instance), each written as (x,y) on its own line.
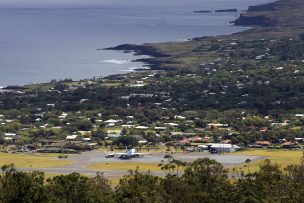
(145,109)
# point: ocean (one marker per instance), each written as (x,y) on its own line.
(41,42)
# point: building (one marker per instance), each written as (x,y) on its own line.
(71,137)
(263,143)
(221,148)
(10,136)
(217,125)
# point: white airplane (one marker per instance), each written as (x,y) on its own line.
(126,155)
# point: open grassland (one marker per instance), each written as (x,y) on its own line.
(281,157)
(125,166)
(33,160)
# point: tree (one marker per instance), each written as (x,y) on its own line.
(100,134)
(207,177)
(84,125)
(76,188)
(24,187)
(128,141)
(139,187)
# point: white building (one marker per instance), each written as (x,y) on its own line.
(220,147)
(71,137)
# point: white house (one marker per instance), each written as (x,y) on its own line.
(179,117)
(299,115)
(172,124)
(160,128)
(142,127)
(9,136)
(71,137)
(220,147)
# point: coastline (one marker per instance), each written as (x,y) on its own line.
(156,57)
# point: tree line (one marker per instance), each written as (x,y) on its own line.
(203,180)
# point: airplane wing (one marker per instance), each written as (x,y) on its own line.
(112,155)
(131,153)
(137,153)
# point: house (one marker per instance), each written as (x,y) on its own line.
(221,147)
(71,137)
(288,145)
(142,142)
(191,139)
(50,105)
(195,139)
(263,129)
(112,122)
(9,136)
(142,95)
(299,115)
(63,115)
(172,124)
(86,139)
(226,141)
(84,133)
(160,128)
(217,125)
(279,124)
(263,143)
(142,127)
(127,126)
(183,134)
(179,117)
(114,134)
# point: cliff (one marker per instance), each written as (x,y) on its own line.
(138,50)
(279,13)
(258,20)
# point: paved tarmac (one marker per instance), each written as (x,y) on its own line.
(81,161)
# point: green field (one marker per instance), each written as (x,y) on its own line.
(281,157)
(33,160)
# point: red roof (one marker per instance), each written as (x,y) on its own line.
(263,143)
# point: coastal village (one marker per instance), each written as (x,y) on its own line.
(53,128)
(244,93)
(209,119)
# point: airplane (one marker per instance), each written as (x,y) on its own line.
(126,155)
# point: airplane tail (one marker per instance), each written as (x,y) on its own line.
(131,152)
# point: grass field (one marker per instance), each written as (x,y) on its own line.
(125,166)
(281,157)
(33,160)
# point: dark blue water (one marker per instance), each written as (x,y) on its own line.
(58,41)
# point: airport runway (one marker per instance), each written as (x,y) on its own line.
(81,161)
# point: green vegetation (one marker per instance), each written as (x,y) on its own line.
(251,81)
(33,160)
(200,181)
(281,157)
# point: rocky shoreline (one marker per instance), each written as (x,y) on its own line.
(143,50)
(262,21)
